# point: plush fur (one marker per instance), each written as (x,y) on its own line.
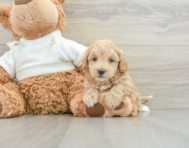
(113,88)
(11,99)
(5,20)
(4,77)
(46,94)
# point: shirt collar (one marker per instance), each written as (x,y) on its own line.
(46,38)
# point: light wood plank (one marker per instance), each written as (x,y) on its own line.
(160,128)
(174,120)
(161,71)
(131,22)
(9,2)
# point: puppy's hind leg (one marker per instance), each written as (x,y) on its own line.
(141,106)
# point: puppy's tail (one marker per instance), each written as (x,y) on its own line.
(145,99)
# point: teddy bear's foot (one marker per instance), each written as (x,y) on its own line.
(96,111)
(8,111)
(11,101)
(4,111)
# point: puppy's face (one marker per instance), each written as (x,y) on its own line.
(103,63)
(104,60)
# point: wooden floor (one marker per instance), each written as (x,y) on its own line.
(159,129)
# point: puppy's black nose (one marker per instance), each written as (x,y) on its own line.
(22,2)
(101,71)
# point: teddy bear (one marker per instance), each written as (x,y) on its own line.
(48,67)
(44,63)
(106,90)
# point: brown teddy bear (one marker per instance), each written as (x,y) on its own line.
(106,90)
(41,59)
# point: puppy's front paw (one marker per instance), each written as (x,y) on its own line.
(90,99)
(112,101)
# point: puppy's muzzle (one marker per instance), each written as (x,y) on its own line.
(101,72)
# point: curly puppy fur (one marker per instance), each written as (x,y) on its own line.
(99,56)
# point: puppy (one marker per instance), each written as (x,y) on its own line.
(105,67)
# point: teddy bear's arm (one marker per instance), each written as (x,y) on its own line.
(75,51)
(7,62)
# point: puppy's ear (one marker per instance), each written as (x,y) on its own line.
(4,15)
(123,66)
(62,1)
(85,60)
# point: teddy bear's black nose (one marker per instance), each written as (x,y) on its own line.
(101,71)
(22,2)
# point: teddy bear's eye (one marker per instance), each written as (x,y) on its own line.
(111,60)
(94,59)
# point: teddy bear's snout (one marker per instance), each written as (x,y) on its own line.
(22,2)
(21,17)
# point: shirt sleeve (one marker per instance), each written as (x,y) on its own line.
(7,61)
(75,52)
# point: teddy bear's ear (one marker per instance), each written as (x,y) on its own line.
(4,15)
(62,1)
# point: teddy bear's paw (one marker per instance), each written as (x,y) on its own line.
(4,112)
(112,101)
(11,109)
(145,109)
(96,111)
(119,107)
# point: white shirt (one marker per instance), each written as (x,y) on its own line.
(41,57)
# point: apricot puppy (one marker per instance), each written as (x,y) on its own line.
(105,67)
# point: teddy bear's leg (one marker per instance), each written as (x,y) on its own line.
(77,106)
(77,91)
(48,94)
(11,99)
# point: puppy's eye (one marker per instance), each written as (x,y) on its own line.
(111,60)
(94,59)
